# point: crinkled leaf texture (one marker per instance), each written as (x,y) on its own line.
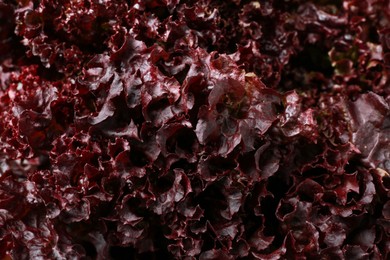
(178,129)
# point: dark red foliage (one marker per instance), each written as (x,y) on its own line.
(180,129)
